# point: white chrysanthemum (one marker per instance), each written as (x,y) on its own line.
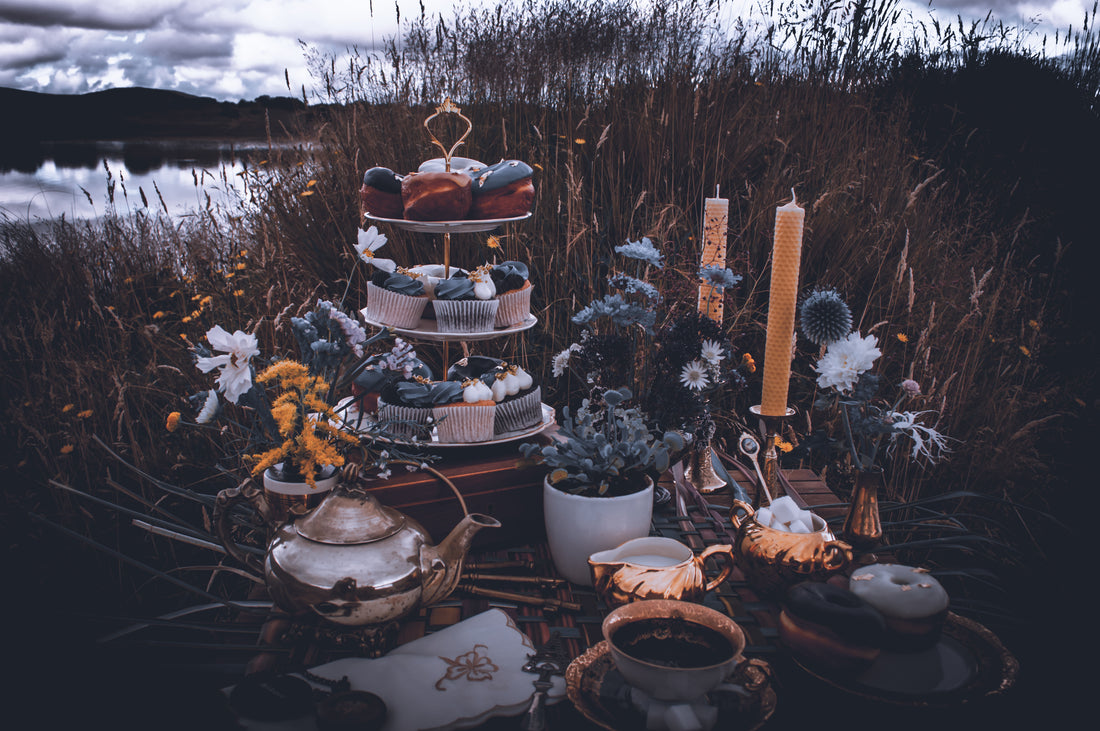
(235,378)
(694,376)
(927,442)
(209,408)
(561,360)
(845,360)
(369,242)
(711,352)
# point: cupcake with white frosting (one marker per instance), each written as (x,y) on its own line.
(468,416)
(517,396)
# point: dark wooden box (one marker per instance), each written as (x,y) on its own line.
(494,480)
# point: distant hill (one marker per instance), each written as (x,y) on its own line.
(137,113)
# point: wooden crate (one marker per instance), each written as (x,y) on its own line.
(494,480)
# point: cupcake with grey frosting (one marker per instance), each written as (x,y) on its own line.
(513,292)
(468,417)
(518,398)
(465,303)
(396,299)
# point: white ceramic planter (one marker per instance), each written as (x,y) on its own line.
(578,526)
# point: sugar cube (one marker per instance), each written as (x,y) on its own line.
(681,717)
(784,509)
(764,517)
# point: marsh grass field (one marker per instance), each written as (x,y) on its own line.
(949,181)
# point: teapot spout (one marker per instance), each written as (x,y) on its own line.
(441,566)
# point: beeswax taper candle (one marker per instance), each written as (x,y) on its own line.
(786,256)
(716,213)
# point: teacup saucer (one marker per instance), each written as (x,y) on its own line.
(598,691)
(968,662)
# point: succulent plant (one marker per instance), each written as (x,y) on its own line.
(605,450)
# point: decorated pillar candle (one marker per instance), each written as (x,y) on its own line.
(716,212)
(786,256)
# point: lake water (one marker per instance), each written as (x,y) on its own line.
(50,179)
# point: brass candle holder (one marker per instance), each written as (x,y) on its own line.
(699,469)
(770,426)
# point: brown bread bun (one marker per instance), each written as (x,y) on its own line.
(437,196)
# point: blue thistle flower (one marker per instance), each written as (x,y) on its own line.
(825,317)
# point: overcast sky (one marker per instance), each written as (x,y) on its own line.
(240,49)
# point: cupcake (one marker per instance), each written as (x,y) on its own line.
(513,293)
(376,371)
(518,399)
(468,417)
(406,407)
(395,299)
(464,303)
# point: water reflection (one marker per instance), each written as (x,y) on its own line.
(50,179)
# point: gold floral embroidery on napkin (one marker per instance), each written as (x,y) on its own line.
(473,664)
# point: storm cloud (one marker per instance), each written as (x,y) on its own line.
(240,49)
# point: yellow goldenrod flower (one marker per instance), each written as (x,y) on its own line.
(903,337)
(186,319)
(160,315)
(67,408)
(244,252)
(311,183)
(67,449)
(580,140)
(1034,324)
(230,275)
(1025,351)
(238,292)
(85,413)
(241,265)
(173,421)
(206,301)
(305,193)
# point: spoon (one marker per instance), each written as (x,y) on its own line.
(750,448)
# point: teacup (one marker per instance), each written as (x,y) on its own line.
(672,650)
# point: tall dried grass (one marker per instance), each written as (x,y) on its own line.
(631,117)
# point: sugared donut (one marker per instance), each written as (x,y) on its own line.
(504,190)
(380,194)
(437,196)
(913,602)
(830,626)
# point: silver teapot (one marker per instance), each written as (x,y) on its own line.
(354,561)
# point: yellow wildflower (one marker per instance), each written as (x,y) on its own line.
(748,362)
(311,183)
(160,315)
(67,449)
(230,275)
(67,408)
(783,446)
(186,319)
(173,421)
(206,301)
(1025,351)
(1034,324)
(903,337)
(241,265)
(493,242)
(580,140)
(238,292)
(244,252)
(85,413)
(305,193)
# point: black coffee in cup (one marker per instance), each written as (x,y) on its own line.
(672,642)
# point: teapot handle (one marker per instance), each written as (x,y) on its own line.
(838,555)
(223,504)
(723,549)
(743,506)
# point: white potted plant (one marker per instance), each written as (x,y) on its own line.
(598,491)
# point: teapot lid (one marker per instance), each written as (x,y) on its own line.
(350,516)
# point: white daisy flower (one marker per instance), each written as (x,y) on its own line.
(369,242)
(235,378)
(209,408)
(711,352)
(561,360)
(694,376)
(845,360)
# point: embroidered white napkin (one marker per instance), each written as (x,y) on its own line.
(451,679)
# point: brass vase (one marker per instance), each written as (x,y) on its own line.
(863,526)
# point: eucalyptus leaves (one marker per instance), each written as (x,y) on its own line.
(605,451)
